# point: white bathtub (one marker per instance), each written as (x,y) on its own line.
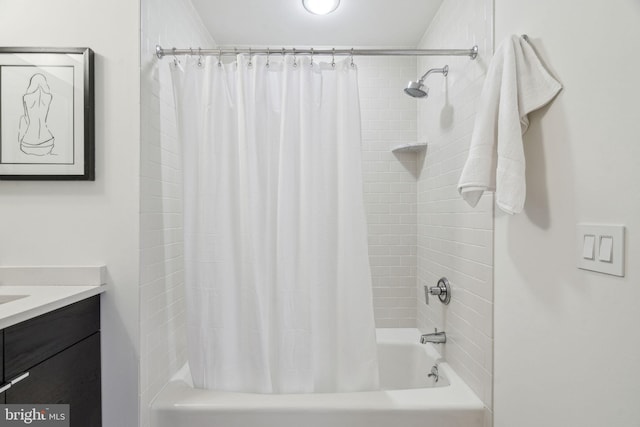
(408,397)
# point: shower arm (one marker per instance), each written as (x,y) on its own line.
(444,71)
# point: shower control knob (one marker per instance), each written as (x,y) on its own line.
(442,291)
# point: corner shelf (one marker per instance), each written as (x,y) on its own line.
(419,147)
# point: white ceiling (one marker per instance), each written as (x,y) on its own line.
(360,23)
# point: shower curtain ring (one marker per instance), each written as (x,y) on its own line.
(311,58)
(295,60)
(199,57)
(175,58)
(352,64)
(268,53)
(250,64)
(333,57)
(219,57)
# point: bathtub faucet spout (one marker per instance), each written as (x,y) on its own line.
(435,338)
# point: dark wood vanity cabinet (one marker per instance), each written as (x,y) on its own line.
(60,351)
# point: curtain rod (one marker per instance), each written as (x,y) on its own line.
(472,53)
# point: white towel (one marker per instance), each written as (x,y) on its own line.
(517,84)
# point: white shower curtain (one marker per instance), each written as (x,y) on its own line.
(276,265)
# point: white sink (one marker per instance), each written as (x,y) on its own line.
(9,298)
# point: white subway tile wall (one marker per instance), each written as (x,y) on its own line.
(163,347)
(455,240)
(389,120)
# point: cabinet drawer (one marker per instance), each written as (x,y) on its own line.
(71,377)
(29,343)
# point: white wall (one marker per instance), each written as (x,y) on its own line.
(163,346)
(388,121)
(567,349)
(455,240)
(62,223)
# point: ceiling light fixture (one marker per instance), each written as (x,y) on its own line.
(321,7)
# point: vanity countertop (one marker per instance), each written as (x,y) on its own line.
(28,292)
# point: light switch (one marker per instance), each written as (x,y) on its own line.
(600,247)
(606,248)
(589,246)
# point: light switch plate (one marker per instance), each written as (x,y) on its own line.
(599,263)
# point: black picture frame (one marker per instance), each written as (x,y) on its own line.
(47,114)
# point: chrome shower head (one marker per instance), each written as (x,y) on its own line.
(417,89)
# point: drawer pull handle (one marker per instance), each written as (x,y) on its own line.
(14,381)
(19,378)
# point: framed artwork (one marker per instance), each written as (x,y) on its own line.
(46,114)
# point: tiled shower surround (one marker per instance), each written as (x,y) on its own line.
(163,347)
(389,120)
(419,228)
(455,240)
